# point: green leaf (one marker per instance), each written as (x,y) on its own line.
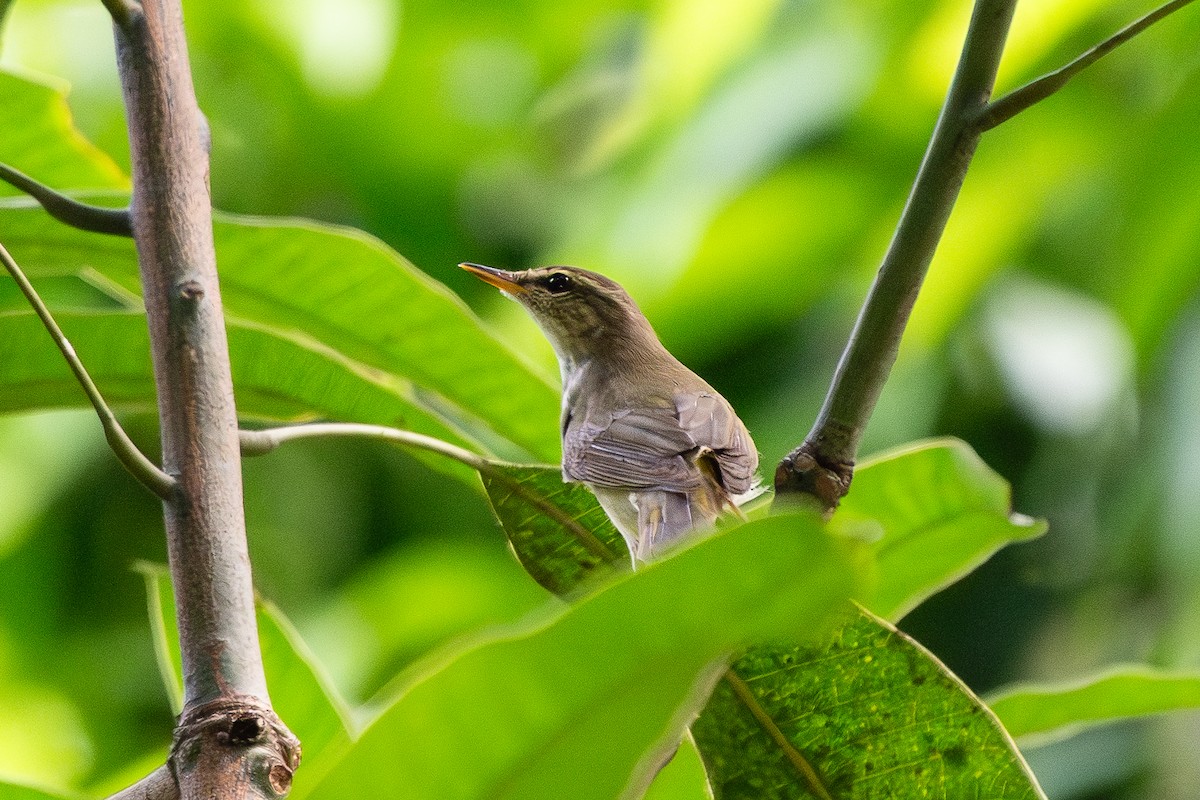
(939,512)
(345,295)
(275,378)
(557,530)
(854,717)
(752,735)
(45,144)
(589,704)
(683,778)
(301,694)
(1058,711)
(161,607)
(16,791)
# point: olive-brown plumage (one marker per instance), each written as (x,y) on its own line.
(663,452)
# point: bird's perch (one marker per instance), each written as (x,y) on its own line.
(823,465)
(228,743)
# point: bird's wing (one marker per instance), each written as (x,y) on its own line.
(641,448)
(711,423)
(657,448)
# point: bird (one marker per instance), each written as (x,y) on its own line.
(663,452)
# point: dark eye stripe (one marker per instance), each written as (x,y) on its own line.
(558,282)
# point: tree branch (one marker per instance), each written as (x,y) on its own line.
(147,473)
(823,465)
(1037,90)
(229,742)
(96,219)
(123,12)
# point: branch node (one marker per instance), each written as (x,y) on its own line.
(802,473)
(191,291)
(234,727)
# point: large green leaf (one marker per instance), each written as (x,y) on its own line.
(779,718)
(276,377)
(45,144)
(344,294)
(591,702)
(1056,711)
(941,512)
(868,715)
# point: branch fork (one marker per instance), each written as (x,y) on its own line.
(823,465)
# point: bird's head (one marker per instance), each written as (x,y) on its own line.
(582,313)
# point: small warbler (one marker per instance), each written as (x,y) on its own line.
(662,451)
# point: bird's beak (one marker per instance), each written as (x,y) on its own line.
(501,279)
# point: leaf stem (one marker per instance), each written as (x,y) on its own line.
(823,465)
(256,443)
(85,217)
(1039,89)
(142,468)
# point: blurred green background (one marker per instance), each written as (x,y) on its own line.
(739,167)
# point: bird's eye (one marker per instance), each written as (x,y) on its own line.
(558,283)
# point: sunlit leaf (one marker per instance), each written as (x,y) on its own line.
(537,709)
(941,512)
(275,377)
(345,295)
(45,144)
(683,778)
(1050,712)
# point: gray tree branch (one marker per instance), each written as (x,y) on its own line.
(823,464)
(229,743)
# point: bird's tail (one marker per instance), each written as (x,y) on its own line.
(663,519)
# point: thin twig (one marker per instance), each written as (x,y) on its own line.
(123,12)
(256,443)
(142,468)
(96,219)
(1039,89)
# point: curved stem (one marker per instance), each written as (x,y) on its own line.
(147,473)
(255,443)
(824,463)
(97,219)
(1037,90)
